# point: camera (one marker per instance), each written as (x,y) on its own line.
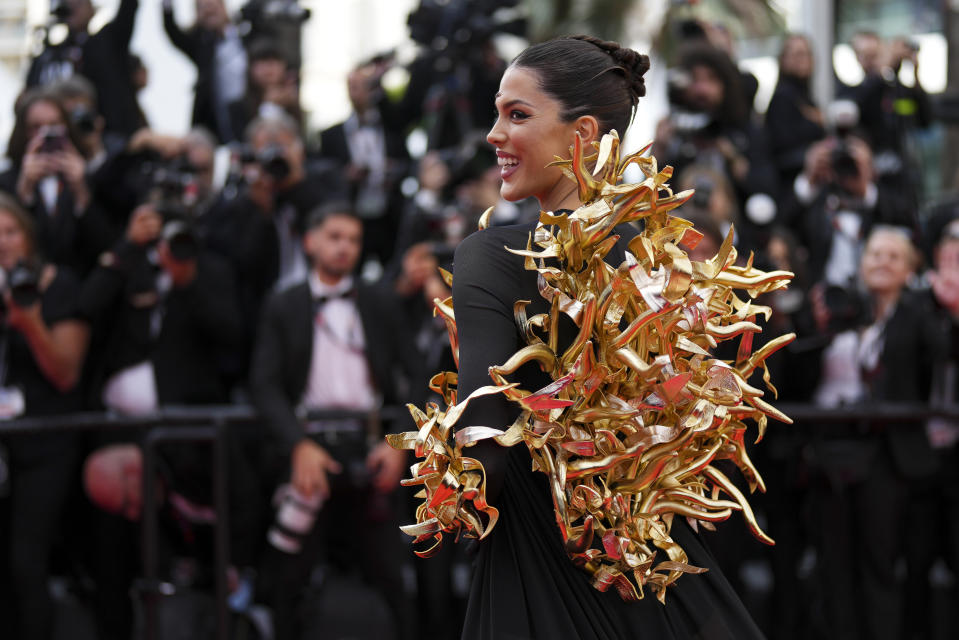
(60,10)
(54,139)
(23,283)
(455,69)
(83,119)
(274,11)
(295,515)
(843,163)
(271,158)
(847,308)
(843,117)
(172,187)
(181,239)
(441,24)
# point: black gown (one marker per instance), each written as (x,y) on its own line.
(524,584)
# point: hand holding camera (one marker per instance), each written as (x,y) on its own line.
(310,465)
(49,153)
(845,163)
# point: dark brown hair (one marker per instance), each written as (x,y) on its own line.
(589,77)
(734,110)
(17,146)
(9,204)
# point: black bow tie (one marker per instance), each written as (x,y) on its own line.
(320,301)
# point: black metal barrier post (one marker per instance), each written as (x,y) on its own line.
(152,588)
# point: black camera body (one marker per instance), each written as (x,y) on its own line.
(274,11)
(172,187)
(181,238)
(848,308)
(271,158)
(23,283)
(60,11)
(83,119)
(442,24)
(843,163)
(53,139)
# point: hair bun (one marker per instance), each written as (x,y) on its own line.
(634,64)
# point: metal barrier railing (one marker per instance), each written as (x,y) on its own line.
(210,424)
(180,424)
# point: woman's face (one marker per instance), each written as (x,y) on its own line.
(796,58)
(887,262)
(42,114)
(528,134)
(13,241)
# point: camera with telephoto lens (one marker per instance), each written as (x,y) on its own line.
(172,188)
(181,239)
(295,515)
(842,117)
(456,27)
(23,283)
(843,163)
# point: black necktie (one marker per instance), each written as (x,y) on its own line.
(320,301)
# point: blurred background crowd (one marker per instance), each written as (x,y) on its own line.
(256,259)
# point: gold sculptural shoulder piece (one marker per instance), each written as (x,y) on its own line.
(638,409)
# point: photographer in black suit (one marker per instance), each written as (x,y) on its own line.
(167,311)
(260,230)
(101,57)
(373,158)
(329,343)
(214,46)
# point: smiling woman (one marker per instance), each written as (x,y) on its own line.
(535,576)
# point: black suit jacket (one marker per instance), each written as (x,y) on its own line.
(916,342)
(200,325)
(65,236)
(104,60)
(199,45)
(284,347)
(106,64)
(334,145)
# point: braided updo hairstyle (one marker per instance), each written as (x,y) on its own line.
(589,76)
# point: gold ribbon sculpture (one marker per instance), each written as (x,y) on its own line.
(629,428)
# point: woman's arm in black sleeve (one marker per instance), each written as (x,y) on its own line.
(485,285)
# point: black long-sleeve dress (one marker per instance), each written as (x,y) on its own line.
(524,584)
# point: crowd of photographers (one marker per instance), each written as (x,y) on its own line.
(133,279)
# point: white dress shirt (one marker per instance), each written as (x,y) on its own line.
(339,373)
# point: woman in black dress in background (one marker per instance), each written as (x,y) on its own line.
(524,584)
(43,343)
